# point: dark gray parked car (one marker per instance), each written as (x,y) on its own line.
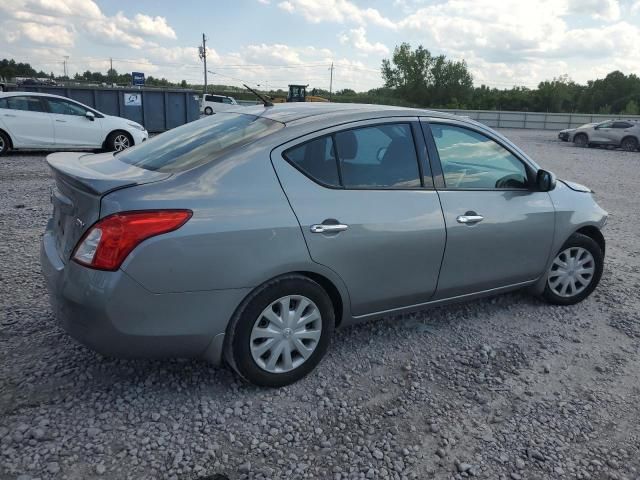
(249,236)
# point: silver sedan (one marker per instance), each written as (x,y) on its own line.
(249,236)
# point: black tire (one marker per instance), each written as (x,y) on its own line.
(113,141)
(629,144)
(237,351)
(208,111)
(589,244)
(581,140)
(5,143)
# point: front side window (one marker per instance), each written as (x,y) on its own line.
(3,103)
(471,160)
(227,100)
(605,125)
(30,104)
(198,142)
(63,107)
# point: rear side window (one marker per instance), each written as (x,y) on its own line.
(317,160)
(382,156)
(30,104)
(211,98)
(198,142)
(621,125)
(3,103)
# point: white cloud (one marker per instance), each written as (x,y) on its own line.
(357,38)
(635,7)
(608,10)
(524,42)
(145,25)
(339,11)
(286,6)
(264,2)
(59,22)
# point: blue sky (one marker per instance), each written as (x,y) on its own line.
(276,42)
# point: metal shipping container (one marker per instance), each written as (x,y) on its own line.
(157,109)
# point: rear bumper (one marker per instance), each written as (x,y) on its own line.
(114,315)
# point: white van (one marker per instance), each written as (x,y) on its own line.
(211,104)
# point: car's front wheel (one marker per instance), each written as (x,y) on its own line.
(119,141)
(280,332)
(581,140)
(575,271)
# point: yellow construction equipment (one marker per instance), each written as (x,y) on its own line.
(298,93)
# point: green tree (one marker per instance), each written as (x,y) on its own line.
(631,108)
(419,77)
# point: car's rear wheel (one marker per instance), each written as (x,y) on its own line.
(575,271)
(581,140)
(280,332)
(4,143)
(119,141)
(630,144)
(208,111)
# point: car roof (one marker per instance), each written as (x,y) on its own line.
(34,94)
(298,111)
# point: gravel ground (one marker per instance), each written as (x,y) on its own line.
(506,387)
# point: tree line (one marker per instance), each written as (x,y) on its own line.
(420,78)
(416,78)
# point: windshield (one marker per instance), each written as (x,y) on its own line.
(198,142)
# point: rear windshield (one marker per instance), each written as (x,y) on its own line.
(198,142)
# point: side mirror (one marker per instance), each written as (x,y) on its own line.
(545,181)
(90,116)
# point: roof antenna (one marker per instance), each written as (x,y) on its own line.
(266,102)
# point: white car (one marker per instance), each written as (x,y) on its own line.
(211,104)
(30,120)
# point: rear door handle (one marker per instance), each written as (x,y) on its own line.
(323,228)
(469,219)
(60,121)
(9,115)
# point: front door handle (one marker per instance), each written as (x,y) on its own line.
(9,115)
(328,228)
(60,121)
(469,219)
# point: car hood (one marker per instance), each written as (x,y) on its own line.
(568,130)
(576,187)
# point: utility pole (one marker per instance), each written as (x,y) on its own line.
(110,75)
(203,57)
(331,82)
(64,64)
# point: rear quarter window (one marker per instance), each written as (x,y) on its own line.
(199,142)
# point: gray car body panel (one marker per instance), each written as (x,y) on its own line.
(251,217)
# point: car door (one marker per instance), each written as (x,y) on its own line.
(27,122)
(499,228)
(72,127)
(602,133)
(365,201)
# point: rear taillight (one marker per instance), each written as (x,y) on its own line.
(107,243)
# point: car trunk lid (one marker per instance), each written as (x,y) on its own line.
(81,180)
